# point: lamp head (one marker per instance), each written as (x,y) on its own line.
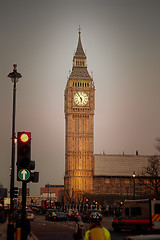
(14,75)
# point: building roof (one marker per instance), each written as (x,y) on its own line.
(79,51)
(119,165)
(80,73)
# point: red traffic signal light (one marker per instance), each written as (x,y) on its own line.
(25,137)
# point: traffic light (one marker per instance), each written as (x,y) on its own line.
(15,192)
(24,162)
(34,177)
(24,156)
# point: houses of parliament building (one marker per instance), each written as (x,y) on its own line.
(98,176)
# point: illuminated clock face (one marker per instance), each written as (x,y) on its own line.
(81,98)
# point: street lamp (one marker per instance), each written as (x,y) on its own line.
(134,175)
(48,190)
(49,194)
(14,78)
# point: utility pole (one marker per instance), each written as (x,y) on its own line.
(10,228)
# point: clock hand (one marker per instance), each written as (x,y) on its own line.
(80,96)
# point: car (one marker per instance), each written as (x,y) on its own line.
(48,215)
(75,215)
(85,216)
(53,214)
(30,215)
(98,214)
(72,214)
(59,216)
(143,237)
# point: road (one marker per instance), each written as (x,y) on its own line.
(48,230)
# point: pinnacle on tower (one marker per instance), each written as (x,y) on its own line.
(79,51)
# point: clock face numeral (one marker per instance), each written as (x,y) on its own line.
(81,98)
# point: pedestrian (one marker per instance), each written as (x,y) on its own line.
(96,231)
(79,229)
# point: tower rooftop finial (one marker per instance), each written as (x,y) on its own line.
(79,51)
(79,29)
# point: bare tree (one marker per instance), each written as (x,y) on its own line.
(150,176)
(69,197)
(157,146)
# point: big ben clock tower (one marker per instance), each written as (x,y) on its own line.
(79,128)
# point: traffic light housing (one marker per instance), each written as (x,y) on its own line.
(24,162)
(34,177)
(24,156)
(15,192)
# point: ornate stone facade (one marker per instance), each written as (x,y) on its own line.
(79,127)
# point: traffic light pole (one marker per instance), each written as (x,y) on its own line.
(23,230)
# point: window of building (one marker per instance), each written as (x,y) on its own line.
(127,181)
(107,180)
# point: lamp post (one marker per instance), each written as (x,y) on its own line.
(49,194)
(14,78)
(47,191)
(134,175)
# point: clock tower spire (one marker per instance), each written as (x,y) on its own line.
(79,54)
(79,129)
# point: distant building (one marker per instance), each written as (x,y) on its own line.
(52,192)
(27,192)
(118,175)
(3,192)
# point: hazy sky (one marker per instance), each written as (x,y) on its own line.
(122,43)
